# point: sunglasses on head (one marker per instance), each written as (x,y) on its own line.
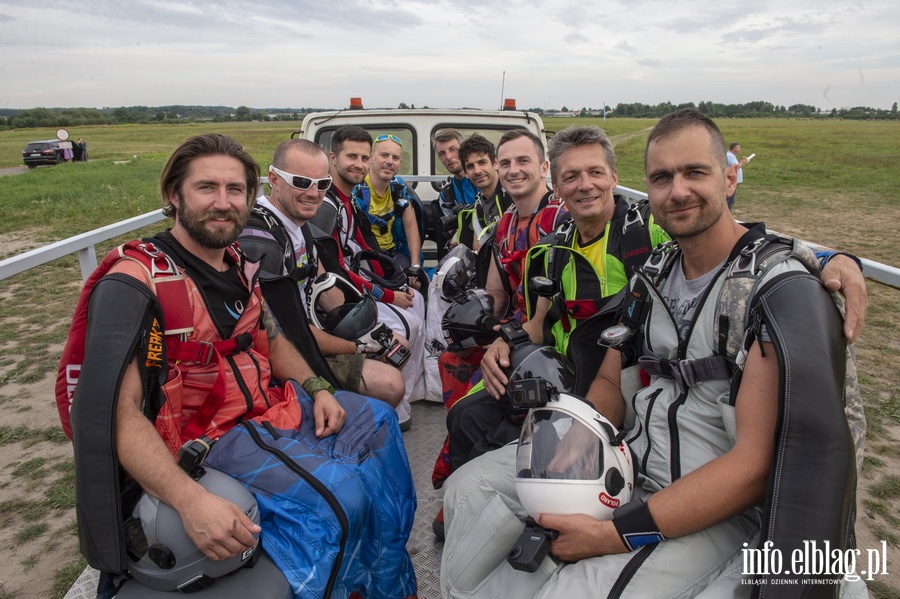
(389,137)
(300,182)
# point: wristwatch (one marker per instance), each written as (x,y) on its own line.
(314,384)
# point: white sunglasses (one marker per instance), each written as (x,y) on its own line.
(300,182)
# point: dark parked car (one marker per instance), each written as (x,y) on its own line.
(37,153)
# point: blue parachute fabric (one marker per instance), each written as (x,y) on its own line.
(343,526)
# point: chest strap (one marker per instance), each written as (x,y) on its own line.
(688,372)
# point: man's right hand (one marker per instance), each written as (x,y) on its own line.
(216,526)
(496,357)
(403,299)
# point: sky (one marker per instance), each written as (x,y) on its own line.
(544,54)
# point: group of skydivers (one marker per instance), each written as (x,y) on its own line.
(652,359)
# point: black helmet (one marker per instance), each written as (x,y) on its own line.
(392,275)
(470,320)
(456,272)
(350,320)
(160,554)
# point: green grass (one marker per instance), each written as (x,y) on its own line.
(887,488)
(32,469)
(66,576)
(30,533)
(883,510)
(30,436)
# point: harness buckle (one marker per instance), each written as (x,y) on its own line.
(686,370)
(657,259)
(746,260)
(633,216)
(207,351)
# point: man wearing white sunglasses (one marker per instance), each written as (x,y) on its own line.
(298,179)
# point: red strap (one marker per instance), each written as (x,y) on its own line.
(203,351)
(197,425)
(581,309)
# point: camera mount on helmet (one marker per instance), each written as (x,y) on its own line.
(535,373)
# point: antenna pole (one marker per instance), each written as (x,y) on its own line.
(502,88)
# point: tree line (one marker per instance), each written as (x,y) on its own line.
(757,109)
(69,117)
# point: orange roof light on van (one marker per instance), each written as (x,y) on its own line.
(509,104)
(356,104)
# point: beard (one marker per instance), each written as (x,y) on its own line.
(709,215)
(216,238)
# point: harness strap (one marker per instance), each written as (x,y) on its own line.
(635,240)
(584,308)
(688,372)
(204,352)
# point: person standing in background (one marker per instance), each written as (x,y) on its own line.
(82,145)
(732,156)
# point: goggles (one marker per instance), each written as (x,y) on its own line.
(389,137)
(302,183)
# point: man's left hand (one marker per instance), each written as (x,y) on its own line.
(842,274)
(329,414)
(581,536)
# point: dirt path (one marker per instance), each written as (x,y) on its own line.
(13,170)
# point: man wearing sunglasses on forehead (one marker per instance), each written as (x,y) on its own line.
(299,178)
(384,198)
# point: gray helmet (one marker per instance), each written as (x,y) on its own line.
(352,319)
(160,554)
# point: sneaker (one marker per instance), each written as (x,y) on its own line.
(437,525)
(404,416)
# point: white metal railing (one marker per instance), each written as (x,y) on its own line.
(85,243)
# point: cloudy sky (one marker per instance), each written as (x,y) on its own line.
(319,53)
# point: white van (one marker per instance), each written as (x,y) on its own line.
(415,128)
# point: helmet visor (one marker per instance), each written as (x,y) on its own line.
(554,445)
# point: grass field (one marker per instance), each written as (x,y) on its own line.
(833,182)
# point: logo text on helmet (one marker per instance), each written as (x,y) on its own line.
(609,501)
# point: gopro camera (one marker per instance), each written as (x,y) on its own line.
(513,333)
(392,351)
(531,547)
(525,394)
(396,354)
